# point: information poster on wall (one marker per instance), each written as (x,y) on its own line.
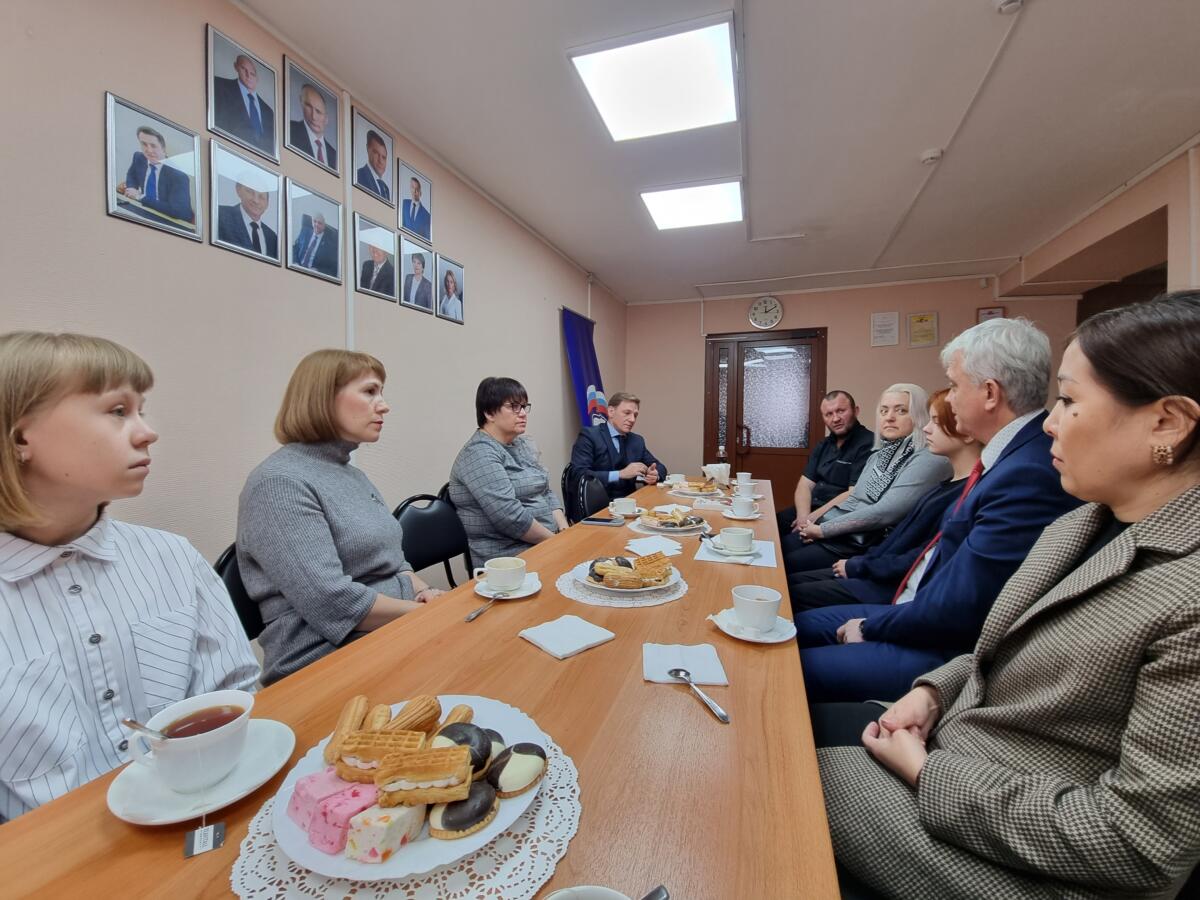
(922,329)
(885,329)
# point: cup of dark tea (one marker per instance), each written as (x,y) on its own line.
(205,738)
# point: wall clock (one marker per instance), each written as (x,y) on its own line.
(766,312)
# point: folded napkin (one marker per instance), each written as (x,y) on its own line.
(699,659)
(646,546)
(764,555)
(701,503)
(672,507)
(566,636)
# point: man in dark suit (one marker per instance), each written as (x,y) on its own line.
(377,273)
(615,455)
(372,174)
(317,246)
(239,110)
(153,183)
(241,223)
(418,290)
(307,135)
(999,373)
(415,216)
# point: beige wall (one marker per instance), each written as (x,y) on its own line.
(665,349)
(223,331)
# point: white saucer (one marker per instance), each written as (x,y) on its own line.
(729,514)
(137,795)
(586,892)
(715,544)
(740,497)
(726,620)
(531,586)
(640,511)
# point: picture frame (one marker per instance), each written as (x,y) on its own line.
(153,169)
(372,146)
(313,116)
(314,232)
(885,329)
(922,329)
(983,313)
(230,79)
(450,308)
(375,272)
(412,185)
(244,191)
(414,255)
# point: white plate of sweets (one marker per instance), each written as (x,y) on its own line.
(424,852)
(581,574)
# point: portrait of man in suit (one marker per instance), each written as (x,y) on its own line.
(310,134)
(247,205)
(372,158)
(414,213)
(242,98)
(153,183)
(316,247)
(313,232)
(376,252)
(378,274)
(418,289)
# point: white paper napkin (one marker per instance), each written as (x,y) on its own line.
(646,546)
(710,504)
(672,507)
(566,636)
(699,659)
(764,555)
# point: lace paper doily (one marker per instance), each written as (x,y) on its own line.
(569,587)
(513,866)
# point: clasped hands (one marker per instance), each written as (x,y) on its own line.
(897,740)
(807,529)
(634,469)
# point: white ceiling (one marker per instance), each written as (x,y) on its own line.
(1041,114)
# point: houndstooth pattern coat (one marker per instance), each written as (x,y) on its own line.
(1067,759)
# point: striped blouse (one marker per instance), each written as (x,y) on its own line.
(118,623)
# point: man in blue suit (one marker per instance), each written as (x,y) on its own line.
(999,373)
(238,110)
(372,174)
(415,216)
(154,184)
(615,455)
(317,246)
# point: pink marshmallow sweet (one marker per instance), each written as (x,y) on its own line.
(310,791)
(331,823)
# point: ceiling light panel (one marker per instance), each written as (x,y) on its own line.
(660,85)
(705,204)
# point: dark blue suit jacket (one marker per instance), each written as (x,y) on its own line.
(365,178)
(420,224)
(982,545)
(298,138)
(230,114)
(325,260)
(173,189)
(232,230)
(594,453)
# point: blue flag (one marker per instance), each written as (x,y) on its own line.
(585,369)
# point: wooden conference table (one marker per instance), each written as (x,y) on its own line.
(669,794)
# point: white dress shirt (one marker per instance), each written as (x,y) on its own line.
(118,623)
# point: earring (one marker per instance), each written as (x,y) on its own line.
(1163,455)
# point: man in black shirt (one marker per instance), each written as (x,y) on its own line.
(835,463)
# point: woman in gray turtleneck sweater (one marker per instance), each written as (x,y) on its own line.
(317,546)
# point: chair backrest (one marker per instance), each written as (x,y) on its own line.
(433,533)
(570,493)
(592,495)
(247,610)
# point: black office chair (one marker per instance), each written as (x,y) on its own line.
(591,497)
(247,610)
(433,533)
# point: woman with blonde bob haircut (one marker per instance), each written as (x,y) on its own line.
(100,620)
(317,547)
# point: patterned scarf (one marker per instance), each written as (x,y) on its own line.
(889,459)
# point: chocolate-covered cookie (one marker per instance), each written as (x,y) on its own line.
(448,821)
(517,769)
(470,736)
(497,742)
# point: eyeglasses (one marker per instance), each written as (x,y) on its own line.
(519,407)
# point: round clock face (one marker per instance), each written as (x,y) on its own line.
(766,312)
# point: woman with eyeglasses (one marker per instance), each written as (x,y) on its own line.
(499,487)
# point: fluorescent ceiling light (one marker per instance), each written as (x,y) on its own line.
(657,86)
(706,204)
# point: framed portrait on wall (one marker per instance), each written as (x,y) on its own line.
(416,270)
(312,113)
(314,228)
(247,204)
(983,313)
(242,96)
(450,289)
(416,202)
(153,170)
(372,158)
(922,329)
(375,258)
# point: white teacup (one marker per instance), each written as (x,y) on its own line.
(624,506)
(745,489)
(737,539)
(744,506)
(504,573)
(190,764)
(743,477)
(755,607)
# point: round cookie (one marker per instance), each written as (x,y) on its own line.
(464,734)
(517,769)
(449,821)
(497,743)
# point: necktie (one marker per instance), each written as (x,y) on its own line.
(383,192)
(320,152)
(311,251)
(623,455)
(254,241)
(152,184)
(976,471)
(255,119)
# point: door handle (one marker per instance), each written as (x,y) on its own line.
(743,437)
(748,443)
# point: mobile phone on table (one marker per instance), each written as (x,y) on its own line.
(596,520)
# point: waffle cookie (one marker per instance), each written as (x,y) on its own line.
(428,776)
(348,722)
(363,752)
(449,821)
(421,713)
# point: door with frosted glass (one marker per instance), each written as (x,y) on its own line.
(762,409)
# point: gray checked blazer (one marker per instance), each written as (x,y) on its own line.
(1067,759)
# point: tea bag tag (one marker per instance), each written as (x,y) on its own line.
(208,837)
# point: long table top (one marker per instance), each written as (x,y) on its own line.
(669,794)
